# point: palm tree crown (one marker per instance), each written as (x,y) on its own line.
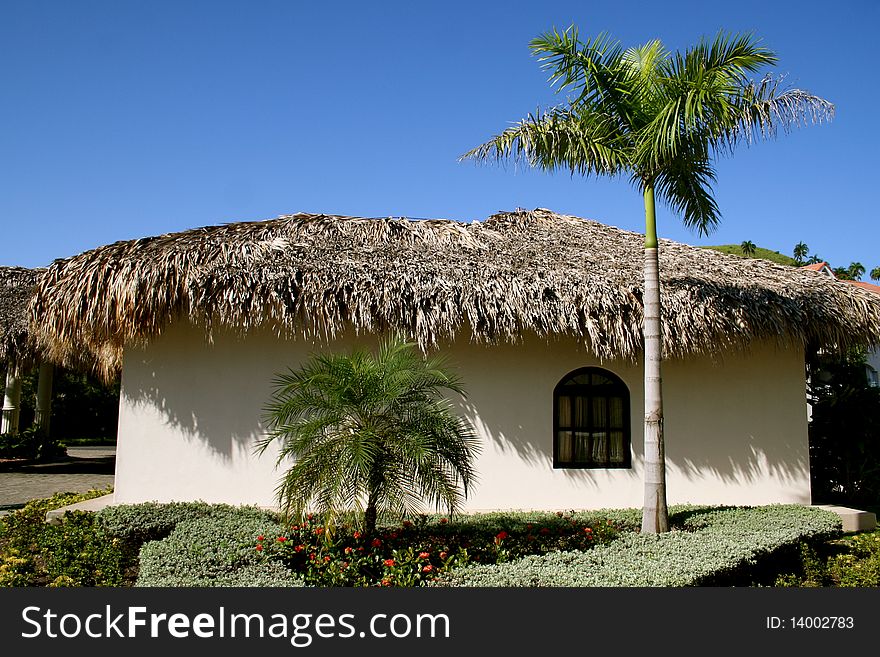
(856,270)
(801,250)
(660,118)
(748,248)
(875,274)
(655,115)
(370,433)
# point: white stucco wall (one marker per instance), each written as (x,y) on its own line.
(736,428)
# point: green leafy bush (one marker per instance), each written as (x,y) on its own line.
(215,550)
(77,553)
(712,547)
(32,443)
(853,561)
(73,553)
(860,564)
(135,524)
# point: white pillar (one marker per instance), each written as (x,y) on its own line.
(44,397)
(11,399)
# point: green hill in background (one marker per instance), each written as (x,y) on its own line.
(766,254)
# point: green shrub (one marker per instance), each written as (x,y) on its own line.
(215,550)
(73,553)
(135,524)
(32,443)
(853,561)
(712,547)
(78,553)
(860,564)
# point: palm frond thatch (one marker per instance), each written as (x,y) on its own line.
(17,284)
(524,271)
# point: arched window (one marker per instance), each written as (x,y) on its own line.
(591,427)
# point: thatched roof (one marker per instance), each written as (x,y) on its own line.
(317,275)
(16,287)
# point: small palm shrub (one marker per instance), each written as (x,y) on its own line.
(370,434)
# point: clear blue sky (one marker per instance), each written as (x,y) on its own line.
(121,119)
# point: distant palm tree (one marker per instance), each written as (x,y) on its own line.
(748,248)
(814,260)
(856,270)
(843,273)
(800,252)
(660,118)
(370,433)
(875,274)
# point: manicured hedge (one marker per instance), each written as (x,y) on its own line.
(215,550)
(135,524)
(711,545)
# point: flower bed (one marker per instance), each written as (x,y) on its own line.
(711,547)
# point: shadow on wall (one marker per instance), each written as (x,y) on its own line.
(212,393)
(735,419)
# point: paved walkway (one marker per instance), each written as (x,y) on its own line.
(84,469)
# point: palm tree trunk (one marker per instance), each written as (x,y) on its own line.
(655,516)
(370,514)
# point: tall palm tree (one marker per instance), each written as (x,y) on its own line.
(875,274)
(660,118)
(370,433)
(856,270)
(748,248)
(801,251)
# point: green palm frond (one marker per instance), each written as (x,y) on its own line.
(685,185)
(585,143)
(761,109)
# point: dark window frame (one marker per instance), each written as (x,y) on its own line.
(617,389)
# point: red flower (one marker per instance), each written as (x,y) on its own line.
(588,530)
(444,554)
(559,514)
(299,548)
(312,556)
(348,550)
(424,555)
(443,521)
(294,527)
(407,524)
(344,565)
(357,535)
(501,535)
(386,582)
(428,568)
(259,548)
(310,516)
(281,539)
(319,531)
(393,534)
(326,559)
(376,542)
(260,537)
(389,562)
